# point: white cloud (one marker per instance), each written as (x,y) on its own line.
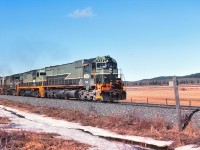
(82,13)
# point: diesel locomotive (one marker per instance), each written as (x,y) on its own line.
(87,79)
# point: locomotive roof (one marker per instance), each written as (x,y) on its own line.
(88,60)
(83,60)
(106,58)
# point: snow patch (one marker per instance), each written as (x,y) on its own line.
(70,130)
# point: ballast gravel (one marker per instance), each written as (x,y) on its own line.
(105,109)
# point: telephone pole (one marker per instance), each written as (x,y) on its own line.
(178,107)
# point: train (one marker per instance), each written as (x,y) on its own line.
(91,79)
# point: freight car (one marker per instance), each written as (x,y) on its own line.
(87,79)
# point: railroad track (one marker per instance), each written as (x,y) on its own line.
(125,103)
(160,106)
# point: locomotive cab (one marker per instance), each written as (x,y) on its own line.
(101,81)
(108,85)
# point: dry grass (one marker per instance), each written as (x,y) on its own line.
(4,120)
(25,140)
(129,125)
(36,141)
(158,95)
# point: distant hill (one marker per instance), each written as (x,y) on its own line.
(164,80)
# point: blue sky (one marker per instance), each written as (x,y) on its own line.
(148,38)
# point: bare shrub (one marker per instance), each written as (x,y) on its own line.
(4,120)
(183,89)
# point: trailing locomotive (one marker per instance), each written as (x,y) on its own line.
(87,79)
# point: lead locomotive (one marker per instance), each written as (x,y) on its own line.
(87,79)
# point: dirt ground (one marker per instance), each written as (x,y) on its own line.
(189,95)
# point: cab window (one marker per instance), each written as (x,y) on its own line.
(86,68)
(101,65)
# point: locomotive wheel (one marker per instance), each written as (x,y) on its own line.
(81,97)
(50,95)
(104,96)
(37,95)
(123,95)
(66,97)
(13,93)
(22,93)
(55,96)
(90,98)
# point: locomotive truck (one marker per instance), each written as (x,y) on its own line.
(87,79)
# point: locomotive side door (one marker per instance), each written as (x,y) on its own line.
(87,76)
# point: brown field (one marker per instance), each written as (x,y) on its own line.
(189,95)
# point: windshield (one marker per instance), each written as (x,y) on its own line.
(101,65)
(108,65)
